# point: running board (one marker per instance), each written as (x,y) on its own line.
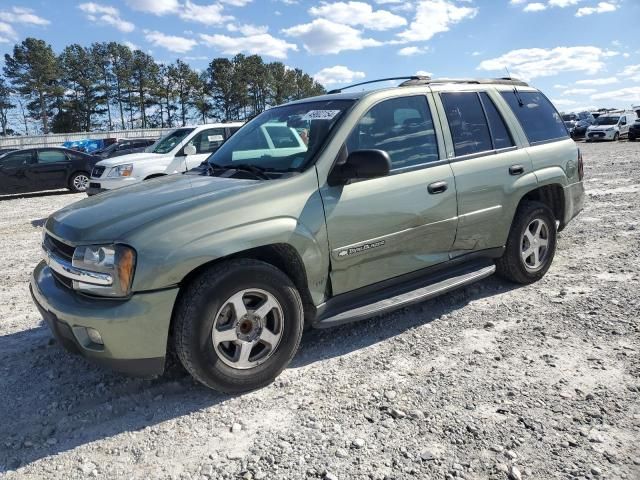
(407,298)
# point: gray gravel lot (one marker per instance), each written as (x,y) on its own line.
(493,381)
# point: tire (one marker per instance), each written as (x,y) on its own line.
(205,315)
(79,182)
(512,266)
(616,137)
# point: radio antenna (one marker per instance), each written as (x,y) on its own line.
(515,89)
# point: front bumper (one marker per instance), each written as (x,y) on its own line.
(134,330)
(601,135)
(97,185)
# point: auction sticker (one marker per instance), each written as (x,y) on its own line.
(321,114)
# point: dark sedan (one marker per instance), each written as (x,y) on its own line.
(634,131)
(125,147)
(35,169)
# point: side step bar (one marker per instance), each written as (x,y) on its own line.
(438,287)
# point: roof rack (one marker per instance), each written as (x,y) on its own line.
(477,81)
(409,78)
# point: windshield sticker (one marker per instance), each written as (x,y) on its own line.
(215,138)
(320,114)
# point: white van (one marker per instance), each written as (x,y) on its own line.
(611,126)
(180,150)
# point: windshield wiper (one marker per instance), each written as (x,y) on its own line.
(259,172)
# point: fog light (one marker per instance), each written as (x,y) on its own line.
(94,336)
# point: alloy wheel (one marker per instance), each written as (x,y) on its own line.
(81,182)
(534,244)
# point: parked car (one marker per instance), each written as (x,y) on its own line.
(180,150)
(35,169)
(7,150)
(89,145)
(125,147)
(401,194)
(634,130)
(610,127)
(577,123)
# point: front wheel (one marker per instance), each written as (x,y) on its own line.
(616,137)
(79,182)
(238,325)
(531,245)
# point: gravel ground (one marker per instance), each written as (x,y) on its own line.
(493,381)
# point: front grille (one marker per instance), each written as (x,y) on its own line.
(58,248)
(67,282)
(97,171)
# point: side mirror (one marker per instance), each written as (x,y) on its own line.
(361,165)
(190,150)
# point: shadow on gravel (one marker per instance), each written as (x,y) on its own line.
(48,193)
(52,401)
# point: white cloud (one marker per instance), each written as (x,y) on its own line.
(632,71)
(580,91)
(248,29)
(563,102)
(131,45)
(627,95)
(530,63)
(358,13)
(173,43)
(598,81)
(158,7)
(7,33)
(105,14)
(408,51)
(338,74)
(259,44)
(534,7)
(237,3)
(602,7)
(207,14)
(22,15)
(322,37)
(517,2)
(435,16)
(424,73)
(563,3)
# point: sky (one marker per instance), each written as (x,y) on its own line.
(582,53)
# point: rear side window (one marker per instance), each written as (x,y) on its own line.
(540,120)
(402,127)
(467,123)
(51,156)
(499,131)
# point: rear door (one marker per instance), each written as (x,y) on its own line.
(13,172)
(385,227)
(489,168)
(51,169)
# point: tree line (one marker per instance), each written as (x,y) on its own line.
(111,86)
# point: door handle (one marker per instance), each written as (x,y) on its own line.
(437,187)
(516,170)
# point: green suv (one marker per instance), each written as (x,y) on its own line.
(398,195)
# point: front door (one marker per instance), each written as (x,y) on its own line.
(206,142)
(13,172)
(385,227)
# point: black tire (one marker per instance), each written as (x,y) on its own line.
(511,266)
(196,312)
(74,184)
(616,137)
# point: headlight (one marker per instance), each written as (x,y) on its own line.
(118,261)
(121,170)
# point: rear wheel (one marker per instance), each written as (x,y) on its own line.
(79,182)
(531,244)
(238,325)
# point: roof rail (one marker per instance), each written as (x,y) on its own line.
(477,81)
(408,78)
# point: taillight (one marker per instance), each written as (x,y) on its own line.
(580,166)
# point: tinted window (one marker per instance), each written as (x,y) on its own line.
(402,127)
(538,117)
(499,131)
(282,136)
(255,140)
(51,156)
(208,141)
(467,123)
(16,159)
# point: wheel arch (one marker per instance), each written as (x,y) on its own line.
(552,195)
(154,175)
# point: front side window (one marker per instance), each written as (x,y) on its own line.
(51,156)
(402,127)
(169,141)
(208,141)
(16,159)
(467,123)
(283,138)
(540,120)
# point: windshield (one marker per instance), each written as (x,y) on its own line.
(282,138)
(606,121)
(168,142)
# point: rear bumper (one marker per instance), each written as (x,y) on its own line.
(573,202)
(134,331)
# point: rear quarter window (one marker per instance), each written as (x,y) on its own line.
(539,119)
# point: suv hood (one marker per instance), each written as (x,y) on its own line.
(131,157)
(108,217)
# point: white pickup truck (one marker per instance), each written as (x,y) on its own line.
(180,150)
